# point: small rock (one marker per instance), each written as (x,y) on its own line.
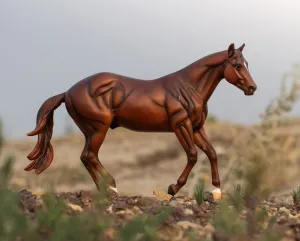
(129,214)
(85,197)
(174,204)
(186,225)
(197,209)
(209,197)
(188,211)
(84,194)
(284,210)
(109,209)
(209,228)
(75,207)
(130,201)
(147,201)
(272,212)
(120,212)
(281,219)
(178,213)
(74,200)
(297,216)
(120,206)
(137,210)
(162,196)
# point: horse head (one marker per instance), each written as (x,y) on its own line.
(236,71)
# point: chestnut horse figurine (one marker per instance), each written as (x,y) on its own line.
(173,103)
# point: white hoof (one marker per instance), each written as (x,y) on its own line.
(217,193)
(114,189)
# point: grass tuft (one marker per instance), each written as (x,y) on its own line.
(199,192)
(296,195)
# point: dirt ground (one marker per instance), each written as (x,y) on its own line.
(186,216)
(140,162)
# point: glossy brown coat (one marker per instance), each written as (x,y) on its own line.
(174,103)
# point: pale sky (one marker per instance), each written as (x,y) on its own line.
(47,46)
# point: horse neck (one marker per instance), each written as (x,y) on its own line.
(205,74)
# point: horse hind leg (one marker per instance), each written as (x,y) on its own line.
(94,132)
(89,157)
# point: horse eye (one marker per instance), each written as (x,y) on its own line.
(238,66)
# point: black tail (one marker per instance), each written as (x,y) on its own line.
(42,154)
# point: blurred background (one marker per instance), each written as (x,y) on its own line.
(48,46)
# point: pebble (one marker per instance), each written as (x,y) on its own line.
(75,207)
(109,209)
(137,210)
(147,201)
(161,196)
(174,204)
(284,210)
(188,211)
(272,212)
(186,224)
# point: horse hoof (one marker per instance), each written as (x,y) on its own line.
(112,193)
(217,193)
(170,190)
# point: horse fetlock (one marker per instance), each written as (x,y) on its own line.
(171,190)
(216,182)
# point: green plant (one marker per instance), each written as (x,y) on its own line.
(12,223)
(228,222)
(144,226)
(199,192)
(296,195)
(271,235)
(236,198)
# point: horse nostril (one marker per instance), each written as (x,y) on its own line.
(252,88)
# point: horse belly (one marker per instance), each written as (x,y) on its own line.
(141,114)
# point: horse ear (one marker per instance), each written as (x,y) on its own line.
(231,50)
(241,48)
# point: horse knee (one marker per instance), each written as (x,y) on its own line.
(192,155)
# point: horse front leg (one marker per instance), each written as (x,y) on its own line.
(184,132)
(201,140)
